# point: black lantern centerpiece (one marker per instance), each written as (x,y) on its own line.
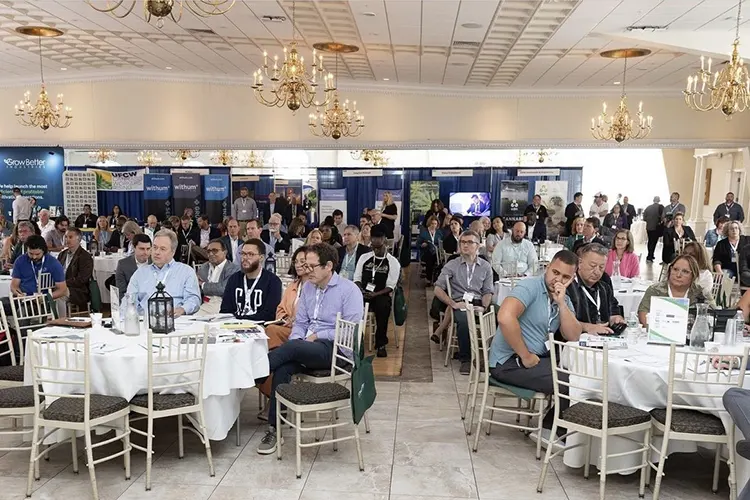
(161,311)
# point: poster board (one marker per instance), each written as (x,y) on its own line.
(79,189)
(420,199)
(668,320)
(514,198)
(554,196)
(332,199)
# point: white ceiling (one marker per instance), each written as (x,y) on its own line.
(520,44)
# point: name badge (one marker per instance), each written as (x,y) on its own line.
(308,333)
(370,287)
(85,226)
(468,297)
(734,258)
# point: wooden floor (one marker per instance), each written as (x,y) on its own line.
(391,366)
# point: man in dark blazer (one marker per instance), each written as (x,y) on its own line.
(206,233)
(86,219)
(274,236)
(573,211)
(233,241)
(628,210)
(350,252)
(213,276)
(276,205)
(129,265)
(79,268)
(536,230)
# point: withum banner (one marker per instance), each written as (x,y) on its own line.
(216,194)
(157,195)
(131,180)
(186,191)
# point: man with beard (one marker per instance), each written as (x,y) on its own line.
(55,239)
(516,255)
(244,209)
(252,293)
(33,263)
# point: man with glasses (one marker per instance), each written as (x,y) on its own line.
(350,253)
(310,345)
(25,229)
(515,256)
(274,237)
(206,233)
(471,281)
(214,275)
(590,234)
(252,293)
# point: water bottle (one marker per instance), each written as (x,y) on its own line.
(632,320)
(701,331)
(132,325)
(739,328)
(616,278)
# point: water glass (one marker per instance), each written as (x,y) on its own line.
(96,320)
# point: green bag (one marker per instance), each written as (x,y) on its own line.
(399,306)
(96,296)
(363,383)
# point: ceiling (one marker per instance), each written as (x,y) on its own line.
(483,44)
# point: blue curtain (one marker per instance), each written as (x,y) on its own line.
(360,191)
(130,202)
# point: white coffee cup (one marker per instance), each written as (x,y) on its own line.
(96,320)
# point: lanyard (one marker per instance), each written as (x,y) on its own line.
(597,302)
(299,292)
(68,259)
(552,312)
(733,247)
(432,237)
(243,202)
(39,272)
(469,275)
(249,293)
(318,299)
(727,207)
(382,263)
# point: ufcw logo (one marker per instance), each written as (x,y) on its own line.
(27,163)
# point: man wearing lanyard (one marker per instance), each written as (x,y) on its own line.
(671,209)
(471,281)
(350,253)
(310,344)
(519,354)
(31,265)
(252,293)
(729,209)
(244,209)
(79,267)
(591,292)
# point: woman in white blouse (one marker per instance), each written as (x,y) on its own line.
(705,278)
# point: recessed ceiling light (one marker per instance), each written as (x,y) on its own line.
(471,26)
(63,69)
(369,14)
(386,79)
(617,83)
(169,67)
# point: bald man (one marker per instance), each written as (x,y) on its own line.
(515,256)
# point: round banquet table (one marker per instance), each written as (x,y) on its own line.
(123,372)
(104,267)
(638,378)
(638,229)
(5,286)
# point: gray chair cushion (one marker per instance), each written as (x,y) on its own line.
(17,397)
(618,415)
(71,409)
(11,373)
(165,401)
(691,422)
(520,392)
(308,393)
(318,373)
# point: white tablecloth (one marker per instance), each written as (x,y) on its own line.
(229,369)
(638,229)
(638,378)
(104,267)
(5,286)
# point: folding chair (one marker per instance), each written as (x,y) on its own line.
(283,264)
(451,341)
(30,312)
(12,375)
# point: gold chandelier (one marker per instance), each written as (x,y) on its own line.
(540,156)
(160,9)
(224,157)
(292,85)
(729,91)
(184,154)
(148,158)
(42,114)
(102,155)
(375,156)
(620,126)
(254,160)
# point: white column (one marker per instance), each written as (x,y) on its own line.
(697,221)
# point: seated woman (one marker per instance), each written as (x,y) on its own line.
(614,220)
(727,251)
(714,235)
(676,236)
(450,242)
(706,277)
(682,277)
(278,333)
(102,232)
(576,233)
(495,234)
(621,256)
(428,242)
(297,228)
(364,234)
(437,210)
(315,236)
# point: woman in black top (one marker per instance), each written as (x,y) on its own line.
(679,235)
(450,242)
(389,214)
(437,210)
(728,250)
(116,212)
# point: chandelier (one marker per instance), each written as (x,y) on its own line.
(184,154)
(42,114)
(728,91)
(102,155)
(375,156)
(148,158)
(540,156)
(253,160)
(224,157)
(292,85)
(160,9)
(620,126)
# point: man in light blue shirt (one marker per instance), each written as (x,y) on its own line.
(179,279)
(515,255)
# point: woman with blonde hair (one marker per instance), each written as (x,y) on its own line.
(622,254)
(389,214)
(102,232)
(576,232)
(706,277)
(314,237)
(364,234)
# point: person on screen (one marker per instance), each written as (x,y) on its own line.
(475,208)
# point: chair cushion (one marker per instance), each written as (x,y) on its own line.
(618,416)
(318,373)
(691,422)
(165,401)
(17,397)
(517,391)
(71,409)
(11,373)
(308,393)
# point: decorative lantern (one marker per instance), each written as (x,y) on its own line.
(161,311)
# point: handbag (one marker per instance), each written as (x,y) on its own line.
(363,391)
(399,306)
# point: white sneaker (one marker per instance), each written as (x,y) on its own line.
(545,439)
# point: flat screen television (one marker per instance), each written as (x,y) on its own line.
(470,204)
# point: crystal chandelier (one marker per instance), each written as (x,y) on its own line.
(292,85)
(540,156)
(148,158)
(42,114)
(620,126)
(224,157)
(184,154)
(728,91)
(102,155)
(160,9)
(253,160)
(375,156)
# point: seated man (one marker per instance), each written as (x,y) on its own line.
(338,220)
(127,267)
(253,230)
(45,223)
(536,306)
(471,281)
(590,234)
(29,266)
(124,242)
(213,276)
(179,279)
(251,293)
(274,237)
(151,227)
(515,256)
(377,275)
(79,268)
(55,239)
(117,238)
(25,229)
(350,253)
(310,344)
(591,292)
(536,230)
(86,219)
(206,233)
(233,240)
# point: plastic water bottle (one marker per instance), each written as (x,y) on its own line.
(739,329)
(616,277)
(632,321)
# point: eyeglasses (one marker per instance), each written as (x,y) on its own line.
(622,238)
(682,272)
(215,250)
(249,254)
(469,242)
(312,267)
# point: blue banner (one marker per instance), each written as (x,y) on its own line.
(216,195)
(186,190)
(36,172)
(157,195)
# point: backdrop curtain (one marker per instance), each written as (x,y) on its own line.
(130,202)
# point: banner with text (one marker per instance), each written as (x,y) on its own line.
(514,197)
(216,194)
(186,191)
(555,198)
(157,196)
(36,172)
(118,181)
(332,199)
